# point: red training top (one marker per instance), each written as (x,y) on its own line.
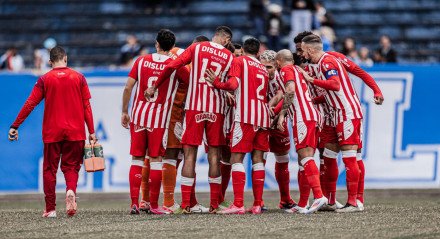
(66,105)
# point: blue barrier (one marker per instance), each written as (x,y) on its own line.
(401,137)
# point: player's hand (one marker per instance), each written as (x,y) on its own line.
(275,122)
(306,75)
(271,112)
(210,76)
(92,139)
(149,92)
(230,99)
(378,99)
(125,120)
(281,122)
(13,134)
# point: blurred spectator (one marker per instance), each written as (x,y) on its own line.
(130,50)
(348,46)
(41,56)
(323,17)
(274,26)
(257,16)
(11,60)
(385,53)
(301,17)
(364,58)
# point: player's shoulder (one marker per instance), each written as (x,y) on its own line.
(328,62)
(160,58)
(341,58)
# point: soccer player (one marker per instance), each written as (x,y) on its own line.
(238,51)
(279,141)
(149,118)
(328,145)
(174,153)
(305,119)
(248,78)
(63,127)
(204,110)
(342,98)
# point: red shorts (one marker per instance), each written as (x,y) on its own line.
(305,134)
(247,137)
(197,122)
(279,141)
(327,135)
(142,139)
(350,132)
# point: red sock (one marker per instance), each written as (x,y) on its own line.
(312,175)
(282,176)
(331,175)
(323,177)
(135,179)
(352,175)
(186,188)
(215,185)
(193,200)
(258,175)
(238,182)
(304,188)
(360,191)
(225,169)
(155,182)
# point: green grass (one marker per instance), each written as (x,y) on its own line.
(389,214)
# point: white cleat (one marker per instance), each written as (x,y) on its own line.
(51,214)
(297,209)
(360,205)
(198,208)
(348,208)
(339,205)
(329,208)
(173,208)
(317,204)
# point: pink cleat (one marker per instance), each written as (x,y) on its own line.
(256,210)
(144,206)
(233,210)
(159,211)
(51,214)
(70,203)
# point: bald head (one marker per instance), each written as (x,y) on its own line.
(284,57)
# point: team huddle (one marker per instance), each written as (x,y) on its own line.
(232,100)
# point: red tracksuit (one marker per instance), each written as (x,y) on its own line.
(66,108)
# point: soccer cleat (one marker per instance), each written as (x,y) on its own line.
(264,208)
(317,204)
(256,210)
(297,209)
(51,214)
(233,210)
(339,205)
(198,208)
(224,205)
(328,208)
(348,208)
(70,203)
(144,206)
(214,210)
(360,205)
(159,211)
(182,211)
(287,205)
(173,208)
(134,209)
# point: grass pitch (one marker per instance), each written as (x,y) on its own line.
(389,214)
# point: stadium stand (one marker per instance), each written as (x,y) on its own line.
(93,31)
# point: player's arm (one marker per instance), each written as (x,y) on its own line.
(319,100)
(332,82)
(88,114)
(183,76)
(230,85)
(126,95)
(33,100)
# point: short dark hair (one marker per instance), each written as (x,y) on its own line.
(224,30)
(166,39)
(297,59)
(237,46)
(200,38)
(251,46)
(311,39)
(301,35)
(57,54)
(230,47)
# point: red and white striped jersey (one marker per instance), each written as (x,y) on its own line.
(345,102)
(302,108)
(275,84)
(202,96)
(324,109)
(251,95)
(154,113)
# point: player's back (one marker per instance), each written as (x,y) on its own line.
(251,95)
(152,113)
(202,96)
(346,99)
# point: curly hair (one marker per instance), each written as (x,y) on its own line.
(268,55)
